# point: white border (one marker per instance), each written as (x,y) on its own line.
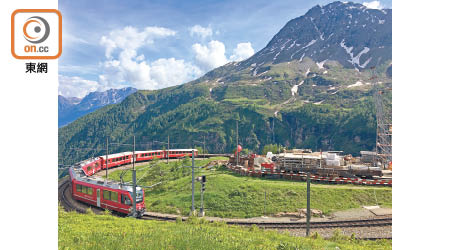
(421,99)
(29,144)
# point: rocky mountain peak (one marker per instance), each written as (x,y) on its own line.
(349,33)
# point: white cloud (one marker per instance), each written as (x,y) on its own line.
(169,72)
(373,5)
(242,52)
(164,72)
(124,66)
(201,31)
(74,86)
(210,56)
(129,38)
(127,67)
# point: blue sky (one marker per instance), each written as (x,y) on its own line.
(156,44)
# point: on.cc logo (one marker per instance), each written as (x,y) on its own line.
(36,34)
(36,29)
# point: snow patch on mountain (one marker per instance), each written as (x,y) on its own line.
(358,83)
(294,89)
(320,64)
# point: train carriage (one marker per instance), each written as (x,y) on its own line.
(177,153)
(108,195)
(114,195)
(91,166)
(149,155)
(118,159)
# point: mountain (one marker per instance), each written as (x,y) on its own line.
(348,33)
(71,108)
(65,103)
(322,100)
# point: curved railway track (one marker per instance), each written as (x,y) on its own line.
(69,204)
(63,185)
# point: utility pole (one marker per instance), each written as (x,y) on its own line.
(273,129)
(320,161)
(106,158)
(193,183)
(134,178)
(265,198)
(168,148)
(237,143)
(204,141)
(308,208)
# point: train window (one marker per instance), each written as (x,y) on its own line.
(114,196)
(127,157)
(89,168)
(84,190)
(78,188)
(125,200)
(106,195)
(89,191)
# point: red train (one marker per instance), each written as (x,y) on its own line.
(114,195)
(108,195)
(94,165)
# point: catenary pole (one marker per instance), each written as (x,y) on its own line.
(237,143)
(106,158)
(193,183)
(134,178)
(308,200)
(168,148)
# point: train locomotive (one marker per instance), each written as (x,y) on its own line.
(113,195)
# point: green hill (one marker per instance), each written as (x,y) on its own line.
(231,195)
(328,111)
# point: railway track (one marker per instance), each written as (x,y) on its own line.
(321,224)
(63,185)
(294,225)
(68,203)
(381,222)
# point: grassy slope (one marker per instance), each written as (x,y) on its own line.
(230,195)
(209,107)
(80,231)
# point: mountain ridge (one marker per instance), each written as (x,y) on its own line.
(71,108)
(324,29)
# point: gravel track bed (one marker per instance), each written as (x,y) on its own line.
(360,232)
